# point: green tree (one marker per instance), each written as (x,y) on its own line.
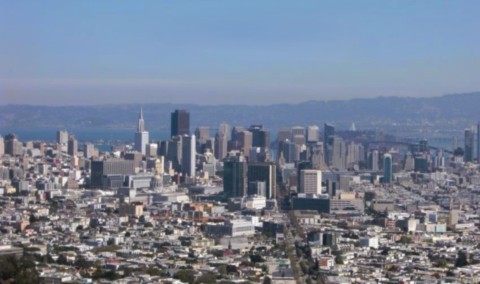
(62,259)
(339,259)
(18,270)
(207,278)
(222,269)
(461,259)
(442,262)
(405,240)
(185,275)
(33,219)
(255,258)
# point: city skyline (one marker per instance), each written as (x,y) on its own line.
(225,53)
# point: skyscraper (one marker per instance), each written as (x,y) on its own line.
(2,146)
(13,147)
(255,130)
(478,142)
(312,134)
(72,145)
(188,155)
(100,169)
(264,138)
(373,161)
(62,137)
(220,145)
(180,122)
(203,134)
(387,168)
(310,181)
(337,153)
(298,130)
(468,156)
(328,132)
(174,152)
(141,136)
(263,172)
(88,150)
(235,176)
(225,129)
(245,141)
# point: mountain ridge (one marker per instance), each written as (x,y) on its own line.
(377,112)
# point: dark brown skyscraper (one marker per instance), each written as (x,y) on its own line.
(180,123)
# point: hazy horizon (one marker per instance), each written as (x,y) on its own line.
(253,104)
(61,53)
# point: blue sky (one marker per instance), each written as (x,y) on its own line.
(228,52)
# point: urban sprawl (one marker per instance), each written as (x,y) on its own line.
(235,206)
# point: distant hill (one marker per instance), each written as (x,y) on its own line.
(458,110)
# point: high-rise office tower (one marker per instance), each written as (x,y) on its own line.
(313,133)
(478,142)
(355,154)
(245,141)
(468,154)
(13,147)
(423,146)
(387,168)
(338,153)
(255,130)
(203,134)
(225,129)
(284,134)
(62,137)
(263,172)
(88,150)
(264,140)
(180,122)
(72,145)
(328,132)
(298,139)
(174,152)
(235,131)
(188,155)
(235,176)
(109,167)
(298,130)
(316,156)
(310,181)
(289,151)
(2,147)
(209,146)
(302,165)
(373,161)
(220,145)
(151,150)
(141,136)
(163,148)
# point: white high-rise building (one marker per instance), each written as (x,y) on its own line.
(313,133)
(220,145)
(2,146)
(226,130)
(88,150)
(311,181)
(141,136)
(152,149)
(188,155)
(62,137)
